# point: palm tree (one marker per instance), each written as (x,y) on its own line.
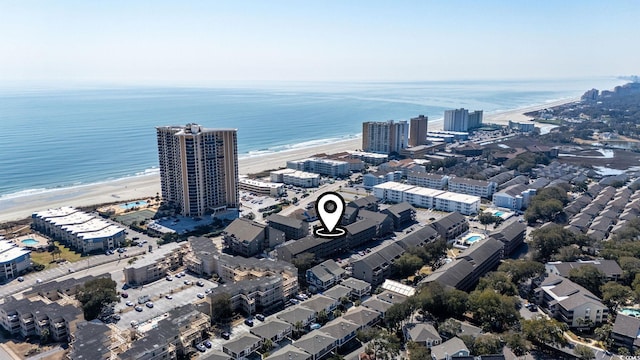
(267,346)
(298,326)
(56,251)
(44,335)
(323,317)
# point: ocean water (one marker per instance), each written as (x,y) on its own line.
(54,138)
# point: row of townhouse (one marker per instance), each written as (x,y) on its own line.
(155,265)
(375,267)
(31,318)
(81,231)
(251,296)
(466,269)
(327,167)
(481,188)
(427,198)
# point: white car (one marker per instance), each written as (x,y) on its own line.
(200,295)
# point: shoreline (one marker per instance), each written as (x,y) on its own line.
(146,186)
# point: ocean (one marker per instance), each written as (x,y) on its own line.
(53,138)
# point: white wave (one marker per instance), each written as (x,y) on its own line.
(298,146)
(78,184)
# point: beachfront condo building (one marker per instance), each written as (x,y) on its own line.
(456,120)
(385,137)
(475,119)
(418,130)
(198,168)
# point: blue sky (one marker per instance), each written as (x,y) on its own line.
(208,42)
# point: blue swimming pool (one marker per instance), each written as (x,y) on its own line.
(29,242)
(472,239)
(498,213)
(631,312)
(133,204)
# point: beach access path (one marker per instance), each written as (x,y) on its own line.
(147,186)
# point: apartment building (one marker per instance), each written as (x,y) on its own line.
(261,187)
(570,303)
(91,340)
(481,188)
(427,180)
(198,168)
(155,265)
(249,238)
(324,275)
(173,337)
(81,231)
(385,137)
(236,269)
(295,177)
(30,318)
(451,225)
(418,130)
(292,228)
(326,167)
(14,260)
(427,198)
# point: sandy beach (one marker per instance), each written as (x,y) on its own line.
(147,186)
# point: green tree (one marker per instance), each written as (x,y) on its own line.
(487,218)
(431,252)
(322,317)
(417,351)
(543,331)
(584,352)
(297,327)
(406,265)
(221,308)
(45,334)
(498,281)
(547,240)
(494,311)
(385,346)
(367,334)
(487,344)
(55,252)
(589,277)
(450,328)
(522,270)
(396,315)
(95,295)
(567,254)
(517,343)
(267,345)
(132,260)
(614,295)
(630,267)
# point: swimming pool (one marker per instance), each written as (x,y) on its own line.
(472,239)
(498,213)
(29,242)
(631,312)
(131,205)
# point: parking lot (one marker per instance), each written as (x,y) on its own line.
(157,291)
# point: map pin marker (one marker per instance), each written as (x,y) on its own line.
(330,208)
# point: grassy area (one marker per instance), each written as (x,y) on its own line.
(45,258)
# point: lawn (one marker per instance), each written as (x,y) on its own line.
(45,258)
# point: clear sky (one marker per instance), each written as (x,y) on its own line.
(208,42)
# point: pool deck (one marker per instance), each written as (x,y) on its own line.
(42,241)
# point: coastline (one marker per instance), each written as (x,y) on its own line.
(145,186)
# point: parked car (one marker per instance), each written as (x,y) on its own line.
(200,296)
(169,278)
(20,278)
(187,282)
(225,335)
(168,297)
(201,348)
(130,303)
(260,317)
(248,322)
(207,343)
(315,326)
(138,308)
(134,323)
(149,305)
(200,283)
(124,295)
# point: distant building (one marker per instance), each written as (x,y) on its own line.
(327,167)
(372,179)
(521,126)
(625,332)
(450,349)
(261,187)
(514,197)
(512,235)
(451,226)
(428,180)
(155,266)
(456,120)
(402,214)
(81,231)
(475,119)
(375,267)
(369,157)
(198,168)
(482,188)
(427,198)
(418,130)
(610,268)
(385,137)
(296,178)
(91,340)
